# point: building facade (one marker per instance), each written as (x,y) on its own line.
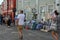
(58,5)
(42,7)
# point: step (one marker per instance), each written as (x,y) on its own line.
(44,30)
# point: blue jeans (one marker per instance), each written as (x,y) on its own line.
(1,22)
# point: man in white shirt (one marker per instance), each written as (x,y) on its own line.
(20,18)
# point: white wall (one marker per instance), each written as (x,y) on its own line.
(5,4)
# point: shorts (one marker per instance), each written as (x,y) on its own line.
(56,31)
(20,27)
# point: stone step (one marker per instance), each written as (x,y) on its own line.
(44,30)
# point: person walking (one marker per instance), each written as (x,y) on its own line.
(56,21)
(20,21)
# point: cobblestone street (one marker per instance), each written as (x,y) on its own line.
(12,34)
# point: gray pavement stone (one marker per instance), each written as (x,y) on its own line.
(12,34)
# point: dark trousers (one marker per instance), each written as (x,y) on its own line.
(1,21)
(9,22)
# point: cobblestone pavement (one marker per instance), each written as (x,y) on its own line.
(12,34)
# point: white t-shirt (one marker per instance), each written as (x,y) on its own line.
(21,19)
